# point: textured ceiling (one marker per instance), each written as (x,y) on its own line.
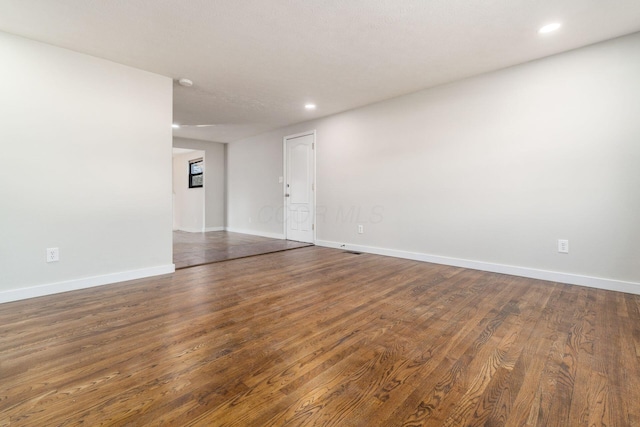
(255,63)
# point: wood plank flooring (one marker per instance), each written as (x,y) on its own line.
(191,249)
(321,337)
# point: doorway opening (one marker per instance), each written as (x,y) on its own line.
(188,198)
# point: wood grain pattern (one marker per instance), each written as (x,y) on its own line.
(321,337)
(191,249)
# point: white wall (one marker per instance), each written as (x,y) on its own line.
(189,206)
(486,172)
(255,199)
(85,167)
(214,184)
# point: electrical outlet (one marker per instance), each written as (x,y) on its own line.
(53,255)
(360,229)
(563,246)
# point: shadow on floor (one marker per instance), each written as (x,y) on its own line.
(191,249)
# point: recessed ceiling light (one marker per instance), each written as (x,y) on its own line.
(185,82)
(549,28)
(310,106)
(175,126)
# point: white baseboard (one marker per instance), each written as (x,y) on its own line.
(552,276)
(198,230)
(189,230)
(256,233)
(87,282)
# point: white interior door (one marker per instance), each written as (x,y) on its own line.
(299,187)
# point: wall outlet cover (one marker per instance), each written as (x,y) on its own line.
(53,255)
(563,246)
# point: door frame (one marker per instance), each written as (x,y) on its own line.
(284,181)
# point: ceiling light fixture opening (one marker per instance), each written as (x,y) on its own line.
(310,106)
(185,82)
(549,28)
(175,126)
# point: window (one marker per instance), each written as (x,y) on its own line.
(196,176)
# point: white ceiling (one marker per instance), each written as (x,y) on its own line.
(255,63)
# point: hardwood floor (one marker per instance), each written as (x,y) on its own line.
(191,249)
(318,336)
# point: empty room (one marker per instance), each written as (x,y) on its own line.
(320,213)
